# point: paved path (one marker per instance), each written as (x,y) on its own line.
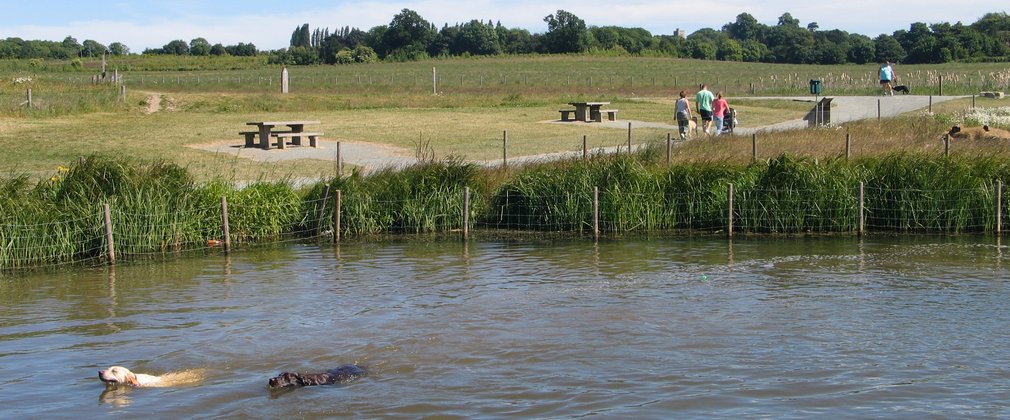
(373,156)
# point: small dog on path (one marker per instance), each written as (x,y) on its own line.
(902,88)
(343,374)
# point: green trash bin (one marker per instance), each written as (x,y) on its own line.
(815,87)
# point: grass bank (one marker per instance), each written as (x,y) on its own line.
(158,209)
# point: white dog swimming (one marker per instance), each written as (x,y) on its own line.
(118,375)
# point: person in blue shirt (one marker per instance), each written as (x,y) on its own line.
(886,77)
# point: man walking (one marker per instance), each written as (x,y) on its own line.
(704,99)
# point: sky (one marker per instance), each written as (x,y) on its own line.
(268,24)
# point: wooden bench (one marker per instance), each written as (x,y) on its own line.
(566,114)
(297,138)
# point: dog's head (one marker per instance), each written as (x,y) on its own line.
(117,375)
(283,380)
(954,130)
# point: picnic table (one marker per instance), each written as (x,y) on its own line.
(266,129)
(588,111)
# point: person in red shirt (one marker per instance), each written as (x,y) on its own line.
(719,108)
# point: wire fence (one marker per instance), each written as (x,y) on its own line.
(108,236)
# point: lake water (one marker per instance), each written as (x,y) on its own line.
(643,328)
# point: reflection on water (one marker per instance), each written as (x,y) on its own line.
(793,327)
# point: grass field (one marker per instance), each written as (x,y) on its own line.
(477,100)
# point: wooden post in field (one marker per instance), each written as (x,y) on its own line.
(29,101)
(585,149)
(284,80)
(629,137)
(848,145)
(669,148)
(596,213)
(862,208)
(225,229)
(941,85)
(434,81)
(504,148)
(729,212)
(931,104)
(110,246)
(973,102)
(999,206)
(753,148)
(878,110)
(336,218)
(466,212)
(946,145)
(122,93)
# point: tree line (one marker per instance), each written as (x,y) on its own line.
(408,36)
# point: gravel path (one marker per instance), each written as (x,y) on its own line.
(372,156)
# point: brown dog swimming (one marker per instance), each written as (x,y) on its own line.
(343,374)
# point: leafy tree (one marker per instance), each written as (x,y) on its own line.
(91,48)
(566,33)
(753,51)
(744,28)
(177,47)
(241,50)
(477,38)
(118,48)
(729,50)
(888,49)
(199,46)
(787,19)
(300,37)
(218,50)
(861,49)
(519,41)
(407,35)
(702,49)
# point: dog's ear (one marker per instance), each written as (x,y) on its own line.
(954,129)
(132,379)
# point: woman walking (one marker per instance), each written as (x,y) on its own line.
(683,112)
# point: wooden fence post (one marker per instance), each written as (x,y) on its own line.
(225,228)
(340,162)
(434,81)
(466,212)
(504,148)
(585,149)
(999,206)
(29,101)
(629,137)
(669,148)
(336,218)
(110,245)
(946,145)
(878,110)
(596,213)
(862,208)
(729,213)
(848,145)
(753,148)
